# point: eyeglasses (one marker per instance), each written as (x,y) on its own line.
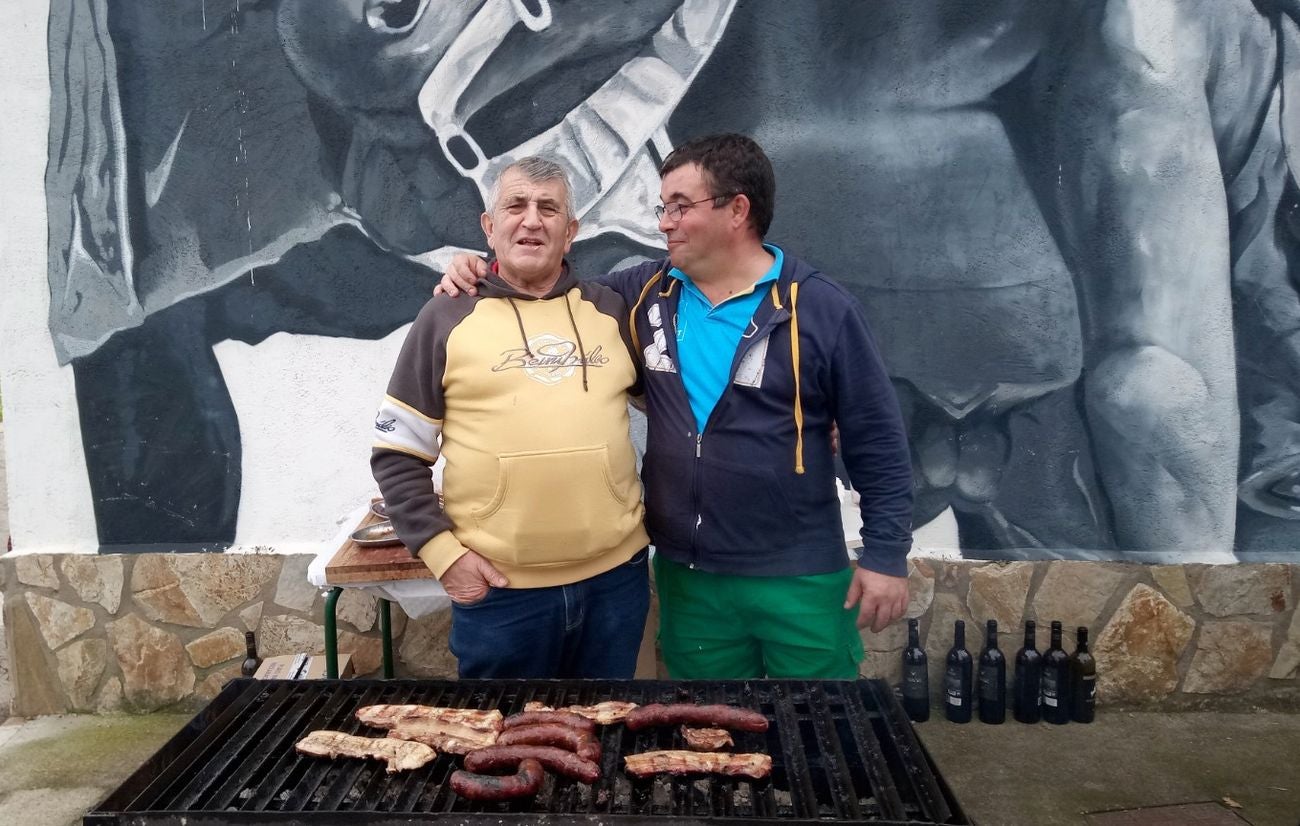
(675,211)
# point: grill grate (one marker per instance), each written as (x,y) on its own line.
(841,751)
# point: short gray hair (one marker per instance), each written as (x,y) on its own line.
(537,169)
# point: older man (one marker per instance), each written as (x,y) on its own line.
(523,390)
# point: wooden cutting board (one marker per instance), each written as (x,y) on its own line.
(373,563)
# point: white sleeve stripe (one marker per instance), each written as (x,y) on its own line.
(389,400)
(397,427)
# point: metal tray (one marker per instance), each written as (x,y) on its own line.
(380,533)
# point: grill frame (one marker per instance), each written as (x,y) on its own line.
(841,751)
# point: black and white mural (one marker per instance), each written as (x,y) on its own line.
(1072,224)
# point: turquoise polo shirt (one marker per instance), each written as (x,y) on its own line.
(708,335)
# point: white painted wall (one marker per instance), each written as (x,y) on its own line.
(49,495)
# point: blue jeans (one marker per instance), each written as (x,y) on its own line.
(588,630)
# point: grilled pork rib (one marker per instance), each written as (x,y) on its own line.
(401,755)
(388,716)
(695,762)
(605,714)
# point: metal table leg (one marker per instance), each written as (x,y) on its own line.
(386,631)
(331,635)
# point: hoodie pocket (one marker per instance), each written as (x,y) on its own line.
(553,507)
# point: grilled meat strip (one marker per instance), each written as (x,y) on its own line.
(442,736)
(714,716)
(560,761)
(706,739)
(605,713)
(582,743)
(388,716)
(526,781)
(401,756)
(692,762)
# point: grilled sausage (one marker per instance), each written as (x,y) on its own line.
(581,743)
(523,783)
(560,761)
(534,718)
(715,716)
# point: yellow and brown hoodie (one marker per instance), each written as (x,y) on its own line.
(526,399)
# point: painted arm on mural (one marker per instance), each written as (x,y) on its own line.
(1138,169)
(408,435)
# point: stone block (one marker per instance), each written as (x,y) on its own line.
(1230,657)
(1172,581)
(289,634)
(60,622)
(35,684)
(920,588)
(1228,590)
(214,682)
(110,697)
(218,647)
(36,570)
(198,590)
(998,591)
(81,665)
(424,647)
(1138,651)
(293,590)
(155,669)
(1075,593)
(357,608)
(251,616)
(96,579)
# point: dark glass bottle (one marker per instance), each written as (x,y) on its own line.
(957,677)
(916,676)
(1027,685)
(249,667)
(993,678)
(1083,680)
(1056,680)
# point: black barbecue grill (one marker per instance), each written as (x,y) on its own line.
(841,751)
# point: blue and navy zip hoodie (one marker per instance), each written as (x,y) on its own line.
(754,493)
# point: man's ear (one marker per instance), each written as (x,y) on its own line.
(485,221)
(738,210)
(570,232)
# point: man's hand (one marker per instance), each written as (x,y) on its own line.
(464,272)
(468,579)
(880,598)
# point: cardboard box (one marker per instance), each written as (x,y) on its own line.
(301,667)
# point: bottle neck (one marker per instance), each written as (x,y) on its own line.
(914,636)
(959,637)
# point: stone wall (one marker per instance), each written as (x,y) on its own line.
(142,632)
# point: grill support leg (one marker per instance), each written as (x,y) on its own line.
(332,636)
(386,631)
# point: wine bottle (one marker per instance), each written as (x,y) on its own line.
(1056,680)
(957,677)
(1083,680)
(916,676)
(249,667)
(993,678)
(1027,685)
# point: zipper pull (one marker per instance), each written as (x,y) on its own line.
(699,437)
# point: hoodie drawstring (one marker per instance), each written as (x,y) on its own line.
(582,354)
(523,336)
(794,359)
(631,316)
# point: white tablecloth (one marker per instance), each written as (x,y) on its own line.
(418,597)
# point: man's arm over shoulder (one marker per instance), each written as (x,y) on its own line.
(873,443)
(407,436)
